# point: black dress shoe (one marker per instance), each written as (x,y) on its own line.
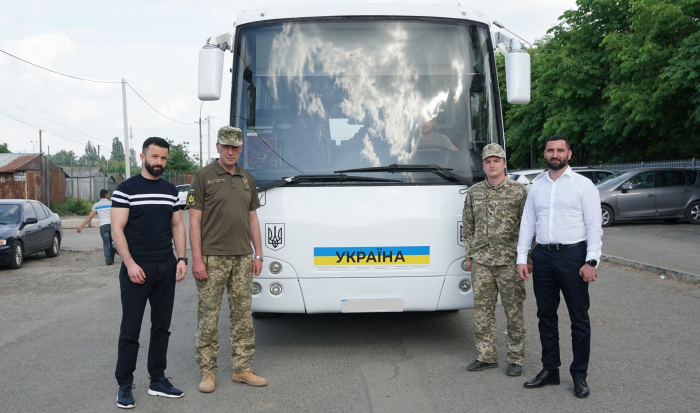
(514,370)
(581,388)
(478,365)
(544,378)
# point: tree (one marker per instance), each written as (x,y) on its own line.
(117,150)
(62,157)
(644,107)
(619,79)
(90,154)
(133,159)
(569,73)
(179,160)
(3,148)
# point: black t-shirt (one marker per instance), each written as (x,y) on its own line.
(151,204)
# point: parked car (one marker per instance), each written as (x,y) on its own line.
(524,176)
(595,175)
(27,227)
(651,193)
(182,195)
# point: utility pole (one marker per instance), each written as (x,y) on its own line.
(48,174)
(200,142)
(131,142)
(208,138)
(127,163)
(43,174)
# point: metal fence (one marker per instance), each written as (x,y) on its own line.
(681,163)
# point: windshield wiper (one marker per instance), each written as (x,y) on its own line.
(445,173)
(338,177)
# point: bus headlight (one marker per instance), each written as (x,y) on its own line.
(275,267)
(256,288)
(465,285)
(275,288)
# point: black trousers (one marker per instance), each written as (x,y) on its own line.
(159,291)
(556,271)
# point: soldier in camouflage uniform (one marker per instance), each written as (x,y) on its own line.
(491,221)
(223,223)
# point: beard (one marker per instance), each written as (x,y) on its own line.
(557,166)
(155,171)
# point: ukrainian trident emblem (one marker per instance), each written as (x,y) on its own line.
(274,236)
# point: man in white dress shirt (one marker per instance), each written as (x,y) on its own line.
(564,210)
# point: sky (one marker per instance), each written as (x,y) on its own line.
(154,45)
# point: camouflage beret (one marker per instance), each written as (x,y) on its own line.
(228,135)
(493,149)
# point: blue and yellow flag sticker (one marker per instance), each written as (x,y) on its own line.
(371,255)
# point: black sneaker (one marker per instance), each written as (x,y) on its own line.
(109,262)
(125,398)
(164,388)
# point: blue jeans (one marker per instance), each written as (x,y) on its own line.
(106,234)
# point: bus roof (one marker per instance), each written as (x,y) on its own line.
(360,9)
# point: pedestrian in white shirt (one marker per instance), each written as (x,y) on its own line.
(103,209)
(564,210)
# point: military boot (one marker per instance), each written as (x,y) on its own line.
(208,383)
(249,377)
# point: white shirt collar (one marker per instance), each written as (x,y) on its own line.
(567,172)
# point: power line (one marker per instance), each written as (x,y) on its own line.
(59,73)
(52,121)
(137,94)
(40,127)
(98,81)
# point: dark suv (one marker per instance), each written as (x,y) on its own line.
(651,193)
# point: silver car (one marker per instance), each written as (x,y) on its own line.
(651,193)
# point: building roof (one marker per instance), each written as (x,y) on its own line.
(83,171)
(10,162)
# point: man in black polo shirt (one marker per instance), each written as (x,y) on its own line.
(146,221)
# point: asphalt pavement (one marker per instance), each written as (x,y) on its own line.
(59,321)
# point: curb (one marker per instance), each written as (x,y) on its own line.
(74,223)
(684,276)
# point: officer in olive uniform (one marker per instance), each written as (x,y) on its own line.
(223,223)
(491,222)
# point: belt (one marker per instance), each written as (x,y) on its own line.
(557,247)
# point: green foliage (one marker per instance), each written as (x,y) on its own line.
(117,150)
(72,206)
(3,148)
(619,78)
(62,157)
(90,154)
(179,160)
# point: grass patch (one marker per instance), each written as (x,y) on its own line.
(72,206)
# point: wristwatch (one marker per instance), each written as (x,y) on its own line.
(592,263)
(182,259)
(257,257)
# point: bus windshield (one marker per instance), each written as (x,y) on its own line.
(314,97)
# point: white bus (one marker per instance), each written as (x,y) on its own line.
(363,126)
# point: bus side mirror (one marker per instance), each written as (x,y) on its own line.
(518,77)
(211,66)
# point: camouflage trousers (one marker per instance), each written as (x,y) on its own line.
(233,273)
(488,282)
